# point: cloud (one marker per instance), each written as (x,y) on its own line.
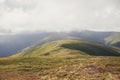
(59,15)
(21,4)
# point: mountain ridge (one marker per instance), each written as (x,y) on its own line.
(70,47)
(10,45)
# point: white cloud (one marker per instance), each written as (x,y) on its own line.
(59,15)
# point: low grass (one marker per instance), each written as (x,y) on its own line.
(63,60)
(70,47)
(60,68)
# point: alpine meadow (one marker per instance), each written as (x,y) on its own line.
(59,40)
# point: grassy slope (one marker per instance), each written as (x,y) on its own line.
(60,60)
(50,38)
(60,68)
(70,47)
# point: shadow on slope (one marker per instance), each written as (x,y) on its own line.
(95,50)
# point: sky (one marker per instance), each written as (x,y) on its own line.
(59,15)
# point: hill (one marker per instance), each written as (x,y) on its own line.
(63,60)
(51,37)
(70,47)
(12,44)
(102,37)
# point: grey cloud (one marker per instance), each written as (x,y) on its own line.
(60,15)
(21,4)
(5,31)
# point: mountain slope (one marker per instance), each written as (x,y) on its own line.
(51,37)
(106,38)
(113,39)
(92,36)
(70,47)
(12,44)
(63,59)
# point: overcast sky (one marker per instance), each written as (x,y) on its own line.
(59,15)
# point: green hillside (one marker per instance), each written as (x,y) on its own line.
(63,60)
(70,48)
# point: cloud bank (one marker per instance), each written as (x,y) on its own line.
(59,15)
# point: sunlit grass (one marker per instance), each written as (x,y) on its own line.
(82,67)
(63,60)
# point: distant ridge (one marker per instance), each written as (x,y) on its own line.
(12,44)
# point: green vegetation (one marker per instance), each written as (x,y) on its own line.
(91,49)
(70,47)
(63,60)
(60,68)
